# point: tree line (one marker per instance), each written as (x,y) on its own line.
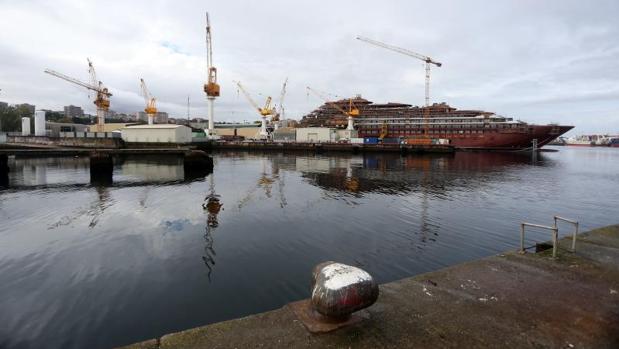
(10,118)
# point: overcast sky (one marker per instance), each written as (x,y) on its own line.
(538,61)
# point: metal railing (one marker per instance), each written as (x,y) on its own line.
(555,233)
(574,223)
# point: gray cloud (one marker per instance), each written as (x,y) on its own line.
(536,61)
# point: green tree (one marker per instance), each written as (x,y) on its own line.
(10,118)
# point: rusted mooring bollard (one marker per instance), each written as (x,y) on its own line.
(339,292)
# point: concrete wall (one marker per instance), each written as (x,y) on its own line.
(285,135)
(56,128)
(247,132)
(68,142)
(178,134)
(347,134)
(316,134)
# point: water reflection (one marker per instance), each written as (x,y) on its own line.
(212,206)
(100,257)
(268,176)
(35,173)
(395,174)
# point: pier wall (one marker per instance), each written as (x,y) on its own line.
(112,143)
(510,300)
(332,147)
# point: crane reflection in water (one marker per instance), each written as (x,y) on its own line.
(212,205)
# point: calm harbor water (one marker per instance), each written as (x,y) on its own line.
(100,266)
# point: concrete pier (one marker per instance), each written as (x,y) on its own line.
(504,301)
(332,147)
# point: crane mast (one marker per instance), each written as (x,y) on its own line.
(150,101)
(350,113)
(211,88)
(280,110)
(102,99)
(428,61)
(406,52)
(264,111)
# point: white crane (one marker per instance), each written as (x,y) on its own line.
(403,51)
(102,100)
(280,107)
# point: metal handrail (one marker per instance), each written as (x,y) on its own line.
(573,222)
(555,234)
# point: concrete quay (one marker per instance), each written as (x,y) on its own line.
(332,147)
(504,301)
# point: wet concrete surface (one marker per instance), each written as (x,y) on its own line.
(507,300)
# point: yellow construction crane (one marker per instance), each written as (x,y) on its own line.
(279,114)
(350,113)
(102,99)
(150,109)
(211,88)
(264,111)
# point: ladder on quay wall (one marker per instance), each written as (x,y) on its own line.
(555,233)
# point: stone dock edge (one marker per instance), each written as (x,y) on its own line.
(507,300)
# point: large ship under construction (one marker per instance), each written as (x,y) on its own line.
(468,129)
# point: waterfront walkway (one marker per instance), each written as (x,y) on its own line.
(504,301)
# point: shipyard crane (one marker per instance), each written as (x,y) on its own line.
(211,88)
(102,99)
(406,52)
(264,111)
(428,61)
(279,114)
(150,109)
(350,113)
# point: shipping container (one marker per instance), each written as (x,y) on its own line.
(356,140)
(370,140)
(418,141)
(316,134)
(391,140)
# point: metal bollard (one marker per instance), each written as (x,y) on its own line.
(340,292)
(338,289)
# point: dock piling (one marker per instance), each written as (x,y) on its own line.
(197,164)
(4,163)
(101,168)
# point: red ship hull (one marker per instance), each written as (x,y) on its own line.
(504,139)
(511,140)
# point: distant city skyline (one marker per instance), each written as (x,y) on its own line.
(540,62)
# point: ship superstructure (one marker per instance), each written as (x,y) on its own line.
(463,128)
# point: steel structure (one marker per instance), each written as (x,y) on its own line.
(211,88)
(263,111)
(150,101)
(102,99)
